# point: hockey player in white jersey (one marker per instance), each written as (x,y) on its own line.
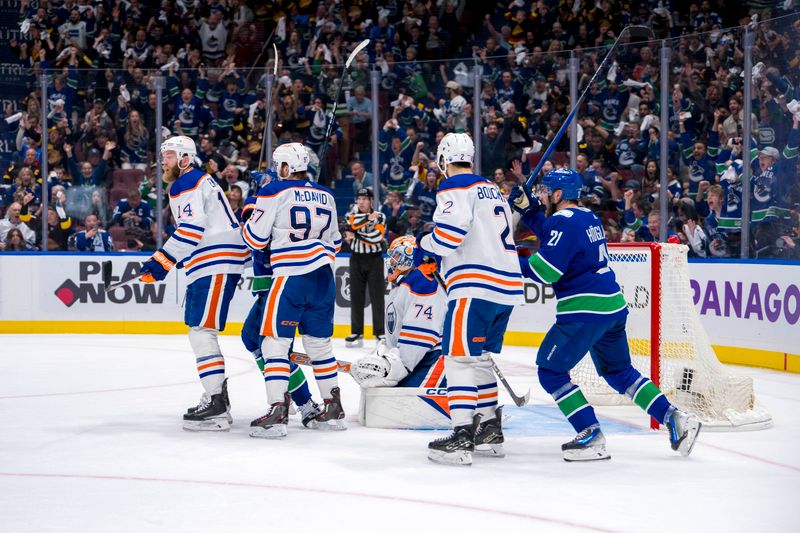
(207,245)
(297,219)
(415,309)
(473,240)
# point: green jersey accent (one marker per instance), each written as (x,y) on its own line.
(601,304)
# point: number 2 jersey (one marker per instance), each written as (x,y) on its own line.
(473,234)
(415,311)
(573,256)
(207,238)
(297,219)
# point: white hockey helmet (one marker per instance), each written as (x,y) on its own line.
(292,154)
(181,145)
(454,148)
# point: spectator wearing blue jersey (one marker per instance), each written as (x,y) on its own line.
(131,212)
(94,238)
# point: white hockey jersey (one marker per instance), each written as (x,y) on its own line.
(207,238)
(473,234)
(297,219)
(415,312)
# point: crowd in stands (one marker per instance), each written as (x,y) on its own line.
(104,58)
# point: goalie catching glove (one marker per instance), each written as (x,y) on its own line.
(383,369)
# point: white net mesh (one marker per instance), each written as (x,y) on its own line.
(690,374)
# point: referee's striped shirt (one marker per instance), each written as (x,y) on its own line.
(369,233)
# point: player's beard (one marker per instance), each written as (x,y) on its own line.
(551,207)
(171,175)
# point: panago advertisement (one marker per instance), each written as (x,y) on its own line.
(749,310)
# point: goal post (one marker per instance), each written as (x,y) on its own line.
(669,344)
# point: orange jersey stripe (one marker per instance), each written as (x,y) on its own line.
(284,369)
(468,398)
(212,308)
(444,235)
(268,331)
(486,277)
(325,368)
(438,369)
(490,395)
(417,336)
(189,234)
(202,258)
(252,241)
(280,257)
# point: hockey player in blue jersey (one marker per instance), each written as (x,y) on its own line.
(473,238)
(591,314)
(296,218)
(251,329)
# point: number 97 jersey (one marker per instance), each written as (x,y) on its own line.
(297,219)
(475,239)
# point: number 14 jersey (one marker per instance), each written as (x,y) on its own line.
(473,234)
(297,219)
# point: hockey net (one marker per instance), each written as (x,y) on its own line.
(669,344)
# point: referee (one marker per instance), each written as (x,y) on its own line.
(366,231)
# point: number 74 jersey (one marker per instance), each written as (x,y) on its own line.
(474,236)
(297,219)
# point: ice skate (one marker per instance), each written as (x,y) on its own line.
(211,414)
(273,424)
(457,448)
(308,413)
(489,437)
(204,399)
(332,415)
(354,341)
(683,430)
(588,445)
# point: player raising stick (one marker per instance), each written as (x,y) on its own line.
(207,244)
(473,236)
(297,219)
(590,317)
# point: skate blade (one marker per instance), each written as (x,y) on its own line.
(311,424)
(692,431)
(490,450)
(277,431)
(329,425)
(459,458)
(211,424)
(356,344)
(588,454)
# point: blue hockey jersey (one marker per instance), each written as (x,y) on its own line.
(574,258)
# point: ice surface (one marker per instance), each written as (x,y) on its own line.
(91,440)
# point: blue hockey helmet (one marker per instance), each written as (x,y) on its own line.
(565,179)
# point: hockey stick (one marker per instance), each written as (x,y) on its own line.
(303,359)
(519,401)
(106,273)
(638,32)
(268,109)
(326,141)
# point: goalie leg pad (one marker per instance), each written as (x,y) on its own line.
(276,367)
(208,356)
(326,369)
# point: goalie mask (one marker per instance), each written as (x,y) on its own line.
(400,257)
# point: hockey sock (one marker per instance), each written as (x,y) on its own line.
(462,391)
(210,363)
(326,369)
(641,390)
(298,386)
(569,398)
(259,359)
(487,387)
(276,367)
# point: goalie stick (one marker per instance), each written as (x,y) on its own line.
(519,401)
(638,32)
(326,141)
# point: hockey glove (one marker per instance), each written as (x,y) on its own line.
(384,370)
(157,267)
(523,200)
(425,261)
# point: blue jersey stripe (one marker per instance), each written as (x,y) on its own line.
(190,226)
(423,330)
(440,242)
(206,358)
(212,263)
(283,264)
(415,343)
(451,228)
(177,237)
(300,247)
(253,236)
(232,247)
(482,267)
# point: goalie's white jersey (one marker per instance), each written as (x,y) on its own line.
(207,238)
(474,236)
(415,312)
(297,219)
